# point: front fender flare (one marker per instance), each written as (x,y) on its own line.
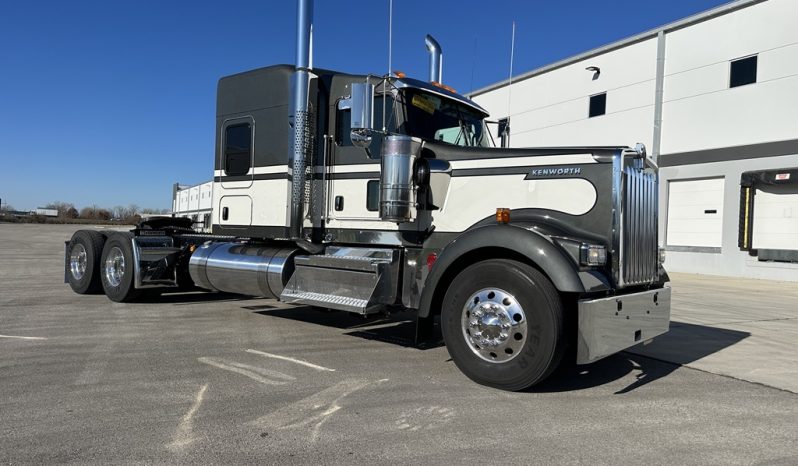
(533,246)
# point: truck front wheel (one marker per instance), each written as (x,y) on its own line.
(502,322)
(116,268)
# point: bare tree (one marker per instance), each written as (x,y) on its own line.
(87,213)
(103,214)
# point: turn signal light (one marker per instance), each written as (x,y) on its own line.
(502,215)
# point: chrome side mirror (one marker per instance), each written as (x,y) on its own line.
(362,113)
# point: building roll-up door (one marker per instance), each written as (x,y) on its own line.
(695,213)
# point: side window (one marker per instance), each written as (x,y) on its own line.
(343,128)
(237,149)
(373,196)
(504,132)
(343,123)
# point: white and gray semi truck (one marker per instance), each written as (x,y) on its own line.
(374,194)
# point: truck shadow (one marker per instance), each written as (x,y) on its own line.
(397,328)
(683,344)
(193,297)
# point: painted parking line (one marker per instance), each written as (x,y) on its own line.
(17,337)
(289,359)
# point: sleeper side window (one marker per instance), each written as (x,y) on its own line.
(237,149)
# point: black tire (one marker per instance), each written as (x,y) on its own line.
(537,352)
(117,276)
(89,244)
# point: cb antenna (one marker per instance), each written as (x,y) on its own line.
(390,57)
(390,34)
(510,83)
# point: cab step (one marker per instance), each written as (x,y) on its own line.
(359,280)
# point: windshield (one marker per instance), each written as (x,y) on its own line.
(431,117)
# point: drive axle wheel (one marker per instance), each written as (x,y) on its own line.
(116,273)
(83,261)
(502,322)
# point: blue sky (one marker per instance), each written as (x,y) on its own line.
(111,102)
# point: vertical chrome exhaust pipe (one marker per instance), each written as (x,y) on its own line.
(299,118)
(435,59)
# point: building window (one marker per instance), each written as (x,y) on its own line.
(743,71)
(598,105)
(237,149)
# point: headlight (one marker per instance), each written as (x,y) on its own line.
(593,255)
(661,255)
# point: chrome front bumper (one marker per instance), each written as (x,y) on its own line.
(610,325)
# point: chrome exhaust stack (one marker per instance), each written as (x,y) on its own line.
(435,59)
(300,119)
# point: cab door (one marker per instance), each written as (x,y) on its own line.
(236,175)
(353,177)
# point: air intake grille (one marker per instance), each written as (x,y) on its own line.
(639,249)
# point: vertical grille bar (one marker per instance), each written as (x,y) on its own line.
(639,231)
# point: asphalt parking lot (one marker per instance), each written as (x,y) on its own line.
(202,378)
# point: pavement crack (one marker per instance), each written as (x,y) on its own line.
(312,411)
(184,435)
(258,374)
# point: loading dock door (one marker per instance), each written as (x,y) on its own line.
(769,214)
(695,213)
(775,221)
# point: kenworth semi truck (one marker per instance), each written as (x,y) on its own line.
(371,194)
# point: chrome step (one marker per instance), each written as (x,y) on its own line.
(360,280)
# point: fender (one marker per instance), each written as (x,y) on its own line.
(551,259)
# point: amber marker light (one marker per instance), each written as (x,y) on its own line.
(502,215)
(449,88)
(431,260)
(399,74)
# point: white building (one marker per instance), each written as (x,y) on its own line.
(195,202)
(712,97)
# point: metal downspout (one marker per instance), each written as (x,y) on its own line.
(658,96)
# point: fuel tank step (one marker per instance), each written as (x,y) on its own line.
(360,280)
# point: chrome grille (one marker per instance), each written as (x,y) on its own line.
(639,249)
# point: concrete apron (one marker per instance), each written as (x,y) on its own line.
(737,327)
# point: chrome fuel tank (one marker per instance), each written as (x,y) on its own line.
(242,268)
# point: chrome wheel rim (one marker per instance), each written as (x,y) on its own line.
(77,261)
(494,325)
(114,266)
